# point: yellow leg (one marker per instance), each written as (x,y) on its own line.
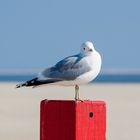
(77,92)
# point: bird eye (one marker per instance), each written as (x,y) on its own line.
(84,48)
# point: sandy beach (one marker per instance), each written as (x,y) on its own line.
(20,108)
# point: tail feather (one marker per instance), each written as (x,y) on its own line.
(36,82)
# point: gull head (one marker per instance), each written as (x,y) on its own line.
(87,48)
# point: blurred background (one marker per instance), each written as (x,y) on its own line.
(36,34)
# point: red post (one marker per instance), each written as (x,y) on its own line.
(73,120)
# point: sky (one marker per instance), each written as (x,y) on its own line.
(36,34)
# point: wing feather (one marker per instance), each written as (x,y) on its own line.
(68,69)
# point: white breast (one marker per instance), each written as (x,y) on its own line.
(95,63)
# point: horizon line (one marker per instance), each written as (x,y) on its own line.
(109,71)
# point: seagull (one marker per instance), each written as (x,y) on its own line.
(73,70)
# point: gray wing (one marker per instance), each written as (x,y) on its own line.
(67,69)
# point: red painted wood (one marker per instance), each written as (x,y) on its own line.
(72,120)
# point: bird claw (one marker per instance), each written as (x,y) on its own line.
(79,100)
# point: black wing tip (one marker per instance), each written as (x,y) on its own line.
(27,83)
(35,82)
(20,85)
